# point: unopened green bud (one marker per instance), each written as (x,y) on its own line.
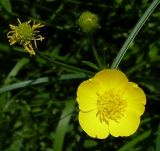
(88,22)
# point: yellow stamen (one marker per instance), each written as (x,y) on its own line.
(111,106)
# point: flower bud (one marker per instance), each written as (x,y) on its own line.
(88,22)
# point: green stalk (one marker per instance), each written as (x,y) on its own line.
(96,56)
(66,66)
(133,34)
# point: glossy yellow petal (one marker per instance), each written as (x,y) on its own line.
(137,108)
(87,95)
(126,126)
(92,125)
(134,94)
(135,98)
(111,79)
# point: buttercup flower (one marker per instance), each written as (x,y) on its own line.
(24,34)
(110,105)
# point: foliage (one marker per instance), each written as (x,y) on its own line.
(38,108)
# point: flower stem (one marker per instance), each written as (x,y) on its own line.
(94,50)
(67,66)
(134,32)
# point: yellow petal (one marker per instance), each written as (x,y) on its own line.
(87,95)
(126,126)
(111,79)
(137,108)
(92,125)
(12,27)
(39,25)
(135,98)
(134,94)
(29,49)
(19,21)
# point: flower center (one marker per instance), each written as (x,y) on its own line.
(25,32)
(111,106)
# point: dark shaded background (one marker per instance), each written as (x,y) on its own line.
(32,116)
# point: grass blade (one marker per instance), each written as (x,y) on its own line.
(63,125)
(134,32)
(135,141)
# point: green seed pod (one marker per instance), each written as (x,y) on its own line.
(88,22)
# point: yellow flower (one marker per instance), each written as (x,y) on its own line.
(110,104)
(23,34)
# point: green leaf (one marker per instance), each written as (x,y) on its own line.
(118,1)
(90,143)
(7,5)
(135,141)
(158,139)
(17,145)
(92,65)
(63,125)
(153,51)
(40,81)
(16,69)
(134,33)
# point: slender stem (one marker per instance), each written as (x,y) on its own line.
(70,67)
(94,50)
(134,32)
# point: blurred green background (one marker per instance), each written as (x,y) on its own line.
(38,109)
